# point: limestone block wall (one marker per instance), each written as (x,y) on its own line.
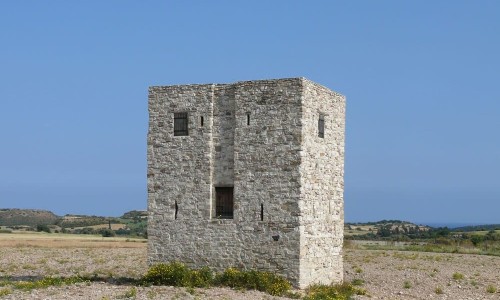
(170,156)
(261,138)
(322,185)
(267,151)
(223,137)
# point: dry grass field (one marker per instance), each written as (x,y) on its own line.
(384,274)
(359,229)
(104,226)
(61,240)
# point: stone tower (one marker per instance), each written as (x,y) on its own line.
(248,175)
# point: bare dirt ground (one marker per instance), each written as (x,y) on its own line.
(422,275)
(385,274)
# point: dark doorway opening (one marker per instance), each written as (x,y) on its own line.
(224,202)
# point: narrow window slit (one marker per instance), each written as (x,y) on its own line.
(248,119)
(262,212)
(201,121)
(176,210)
(321,127)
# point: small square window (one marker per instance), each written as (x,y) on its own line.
(321,127)
(180,124)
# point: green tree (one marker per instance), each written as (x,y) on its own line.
(476,239)
(42,227)
(107,233)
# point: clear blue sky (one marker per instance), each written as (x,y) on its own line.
(421,80)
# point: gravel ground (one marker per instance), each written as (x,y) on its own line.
(422,275)
(385,274)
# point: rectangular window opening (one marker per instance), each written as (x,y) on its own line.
(180,124)
(262,212)
(321,127)
(248,119)
(224,202)
(201,121)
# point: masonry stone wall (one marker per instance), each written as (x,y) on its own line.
(261,137)
(223,138)
(322,185)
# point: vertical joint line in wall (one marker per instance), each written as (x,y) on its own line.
(210,146)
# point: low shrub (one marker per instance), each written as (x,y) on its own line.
(254,280)
(342,291)
(358,282)
(5,291)
(177,274)
(491,289)
(47,282)
(42,228)
(131,293)
(107,232)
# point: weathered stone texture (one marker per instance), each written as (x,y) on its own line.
(277,162)
(322,185)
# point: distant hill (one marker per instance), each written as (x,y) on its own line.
(29,217)
(391,224)
(387,229)
(132,223)
(478,228)
(33,217)
(397,230)
(135,214)
(72,221)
